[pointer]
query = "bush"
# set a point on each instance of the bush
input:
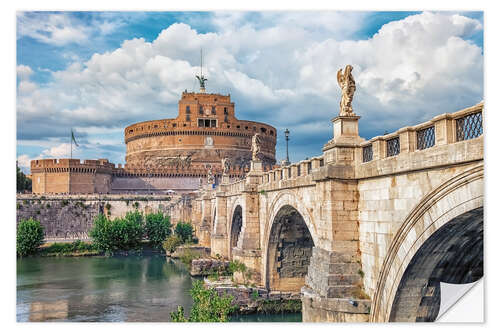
(208, 306)
(157, 228)
(64, 248)
(184, 231)
(118, 234)
(29, 236)
(237, 266)
(171, 243)
(188, 256)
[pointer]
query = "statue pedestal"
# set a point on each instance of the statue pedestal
(255, 166)
(225, 179)
(341, 149)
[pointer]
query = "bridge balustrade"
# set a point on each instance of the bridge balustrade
(469, 126)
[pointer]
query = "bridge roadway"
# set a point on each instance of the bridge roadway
(367, 230)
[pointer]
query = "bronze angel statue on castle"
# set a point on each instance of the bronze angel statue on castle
(348, 86)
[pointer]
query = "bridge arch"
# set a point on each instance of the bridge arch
(289, 237)
(429, 248)
(235, 225)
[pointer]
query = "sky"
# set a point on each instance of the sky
(98, 72)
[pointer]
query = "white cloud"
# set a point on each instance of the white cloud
(282, 71)
(57, 29)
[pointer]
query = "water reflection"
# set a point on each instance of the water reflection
(100, 289)
(138, 289)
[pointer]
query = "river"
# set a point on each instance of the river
(101, 289)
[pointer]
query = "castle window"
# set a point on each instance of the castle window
(213, 123)
(225, 118)
(246, 127)
(200, 110)
(156, 126)
(188, 118)
(174, 125)
(188, 109)
(272, 133)
(263, 130)
(184, 125)
(215, 99)
(237, 126)
(213, 110)
(200, 122)
(131, 131)
(228, 126)
(225, 110)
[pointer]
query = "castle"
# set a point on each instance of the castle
(169, 154)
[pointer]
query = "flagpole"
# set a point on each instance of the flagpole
(71, 142)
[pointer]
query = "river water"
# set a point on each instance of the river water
(114, 289)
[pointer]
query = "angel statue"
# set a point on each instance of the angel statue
(210, 176)
(225, 165)
(348, 86)
(256, 147)
(202, 80)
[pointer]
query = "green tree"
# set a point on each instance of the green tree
(185, 231)
(29, 236)
(208, 306)
(119, 233)
(157, 228)
(22, 182)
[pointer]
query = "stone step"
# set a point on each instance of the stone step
(343, 279)
(345, 291)
(344, 268)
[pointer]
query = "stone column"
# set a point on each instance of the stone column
(248, 248)
(206, 219)
(220, 236)
(333, 288)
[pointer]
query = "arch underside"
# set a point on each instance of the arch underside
(452, 254)
(289, 251)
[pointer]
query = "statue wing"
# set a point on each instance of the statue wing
(340, 78)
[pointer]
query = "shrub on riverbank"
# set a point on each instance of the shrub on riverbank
(171, 243)
(208, 306)
(29, 236)
(185, 231)
(157, 228)
(75, 248)
(118, 234)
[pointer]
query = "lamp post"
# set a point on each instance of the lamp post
(287, 137)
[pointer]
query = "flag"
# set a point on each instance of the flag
(73, 138)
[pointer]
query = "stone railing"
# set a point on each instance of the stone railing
(441, 130)
(300, 172)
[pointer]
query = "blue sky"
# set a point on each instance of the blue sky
(101, 71)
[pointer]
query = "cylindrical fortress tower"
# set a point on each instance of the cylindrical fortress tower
(205, 131)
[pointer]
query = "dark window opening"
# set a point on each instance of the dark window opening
(207, 122)
(272, 132)
(200, 122)
(188, 109)
(225, 110)
(188, 118)
(393, 147)
(174, 125)
(213, 110)
(263, 130)
(213, 123)
(246, 127)
(238, 126)
(200, 110)
(225, 119)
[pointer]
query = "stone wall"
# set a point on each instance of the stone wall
(71, 217)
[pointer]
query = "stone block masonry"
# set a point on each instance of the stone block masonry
(71, 217)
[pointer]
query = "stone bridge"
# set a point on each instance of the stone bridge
(366, 231)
